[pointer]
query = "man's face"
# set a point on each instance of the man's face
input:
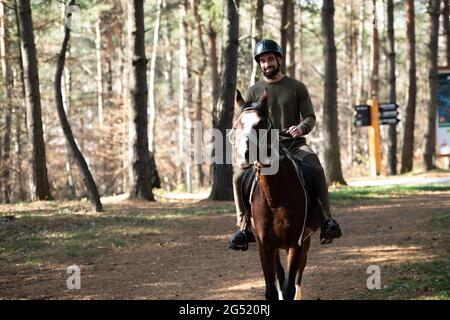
(270, 64)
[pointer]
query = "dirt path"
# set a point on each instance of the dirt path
(191, 261)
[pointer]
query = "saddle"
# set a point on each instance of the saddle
(306, 177)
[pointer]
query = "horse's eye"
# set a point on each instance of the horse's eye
(259, 124)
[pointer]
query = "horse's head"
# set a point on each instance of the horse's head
(252, 117)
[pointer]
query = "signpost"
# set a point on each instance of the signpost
(374, 115)
(362, 115)
(388, 113)
(389, 121)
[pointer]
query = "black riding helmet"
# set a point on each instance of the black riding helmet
(265, 46)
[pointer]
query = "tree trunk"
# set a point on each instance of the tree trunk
(350, 45)
(139, 155)
(375, 61)
(284, 30)
(257, 26)
(185, 102)
(67, 93)
(152, 107)
(123, 107)
(446, 27)
(168, 68)
(301, 58)
(84, 170)
(290, 43)
(360, 91)
(39, 186)
(99, 59)
(430, 137)
(222, 188)
(18, 125)
(122, 62)
(213, 64)
(124, 75)
(21, 119)
(392, 143)
(408, 132)
(6, 160)
(182, 105)
(198, 172)
(330, 106)
(287, 30)
(189, 100)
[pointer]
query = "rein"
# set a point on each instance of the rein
(283, 150)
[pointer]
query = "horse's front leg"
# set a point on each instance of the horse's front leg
(293, 263)
(267, 256)
(279, 270)
(303, 259)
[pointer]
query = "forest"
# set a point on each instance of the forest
(118, 125)
(101, 98)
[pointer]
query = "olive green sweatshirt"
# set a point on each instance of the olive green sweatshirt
(289, 105)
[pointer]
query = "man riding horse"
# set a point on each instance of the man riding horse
(290, 109)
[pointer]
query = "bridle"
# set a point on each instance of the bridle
(261, 142)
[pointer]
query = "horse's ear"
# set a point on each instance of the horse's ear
(239, 100)
(263, 102)
(263, 97)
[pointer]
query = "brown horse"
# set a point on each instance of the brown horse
(281, 216)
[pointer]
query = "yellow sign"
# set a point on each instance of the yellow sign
(374, 139)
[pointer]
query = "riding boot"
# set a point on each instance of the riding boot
(240, 239)
(330, 229)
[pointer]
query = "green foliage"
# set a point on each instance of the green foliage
(311, 6)
(55, 234)
(104, 148)
(212, 11)
(429, 280)
(347, 194)
(424, 280)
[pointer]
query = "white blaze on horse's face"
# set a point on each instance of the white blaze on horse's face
(247, 139)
